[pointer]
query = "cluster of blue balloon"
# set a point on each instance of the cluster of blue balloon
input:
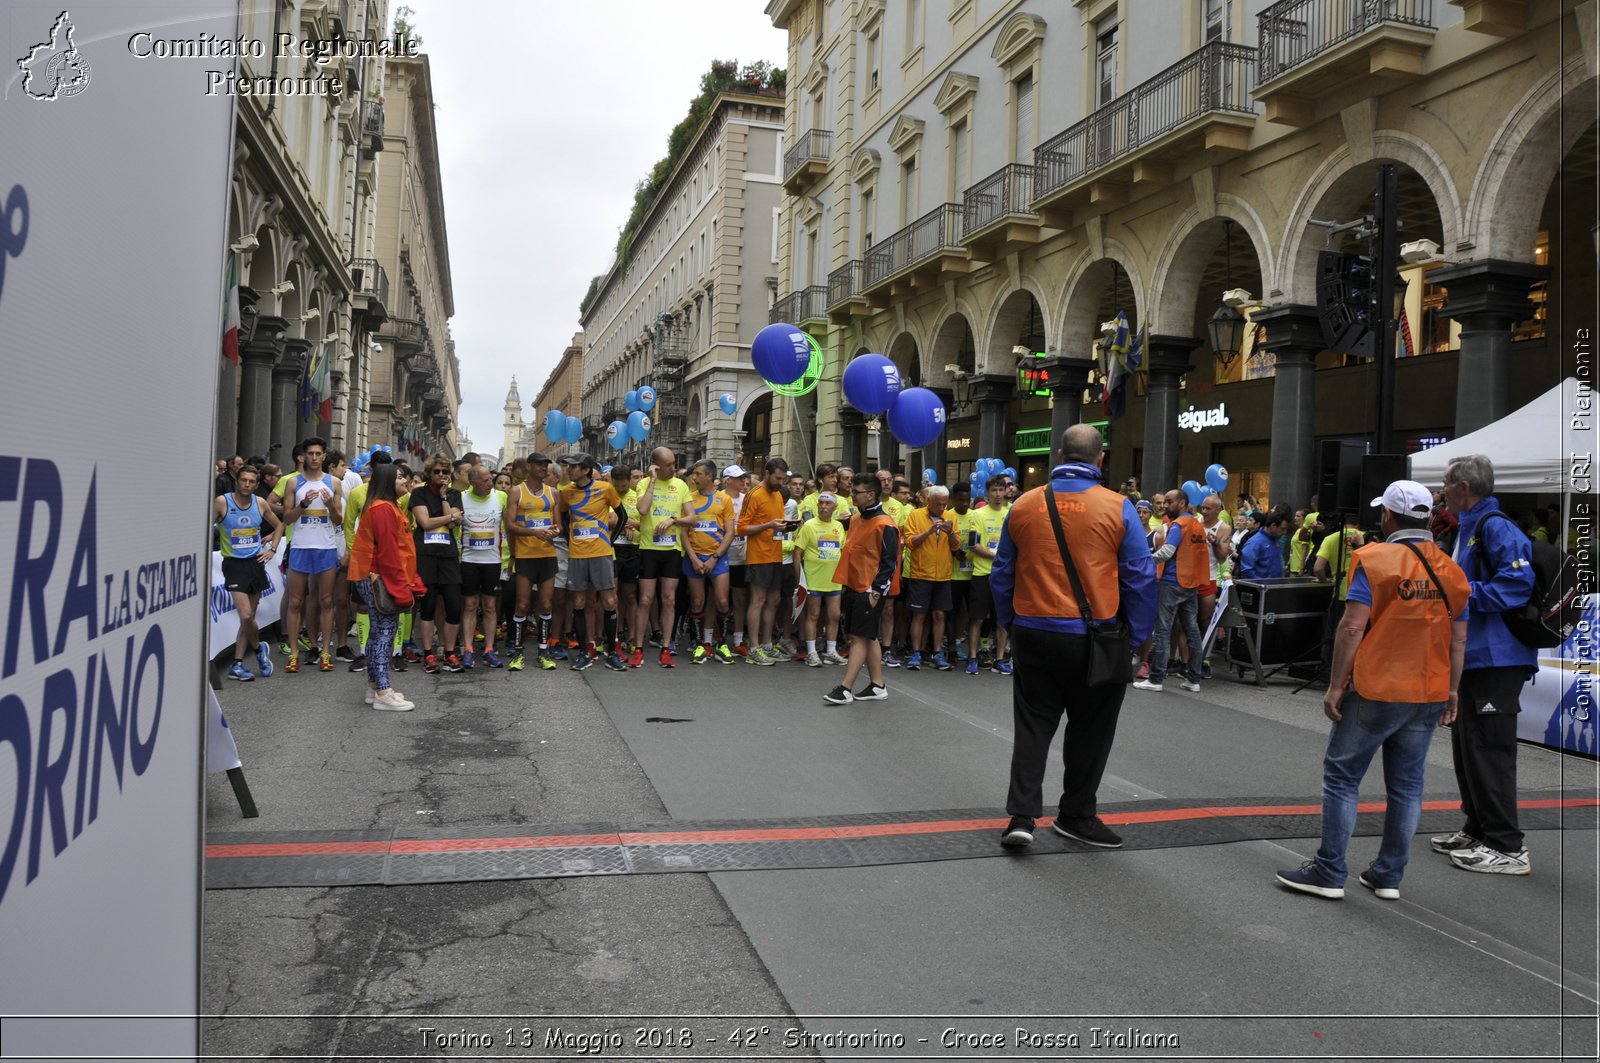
(1216, 480)
(562, 427)
(872, 384)
(638, 402)
(983, 469)
(361, 461)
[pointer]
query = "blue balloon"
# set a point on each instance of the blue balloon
(1009, 471)
(617, 434)
(555, 426)
(630, 401)
(1216, 478)
(1197, 493)
(871, 382)
(728, 403)
(917, 417)
(929, 476)
(638, 426)
(574, 428)
(781, 353)
(388, 449)
(647, 398)
(980, 482)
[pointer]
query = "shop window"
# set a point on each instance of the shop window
(1538, 294)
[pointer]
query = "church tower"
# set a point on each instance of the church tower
(513, 425)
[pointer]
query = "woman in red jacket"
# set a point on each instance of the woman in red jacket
(383, 551)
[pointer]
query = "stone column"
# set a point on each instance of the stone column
(1294, 336)
(853, 426)
(1487, 299)
(257, 357)
(227, 426)
(1166, 359)
(1069, 379)
(993, 393)
(286, 376)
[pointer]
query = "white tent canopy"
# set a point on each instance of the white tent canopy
(1527, 446)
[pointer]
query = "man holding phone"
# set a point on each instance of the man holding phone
(932, 537)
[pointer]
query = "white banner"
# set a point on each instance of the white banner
(113, 205)
(221, 753)
(1558, 708)
(225, 615)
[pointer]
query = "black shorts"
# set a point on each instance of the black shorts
(925, 594)
(480, 578)
(537, 570)
(660, 564)
(435, 571)
(768, 576)
(736, 577)
(858, 618)
(980, 600)
(245, 575)
(628, 562)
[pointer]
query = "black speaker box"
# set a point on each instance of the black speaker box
(1378, 471)
(1339, 476)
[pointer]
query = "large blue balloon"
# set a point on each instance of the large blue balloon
(871, 383)
(574, 429)
(929, 476)
(638, 426)
(617, 434)
(980, 482)
(1197, 493)
(630, 401)
(781, 353)
(1009, 471)
(917, 417)
(728, 403)
(555, 426)
(647, 398)
(1216, 478)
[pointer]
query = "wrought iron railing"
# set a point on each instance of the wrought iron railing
(1217, 77)
(785, 309)
(1007, 191)
(936, 231)
(845, 283)
(812, 144)
(1296, 31)
(370, 278)
(807, 304)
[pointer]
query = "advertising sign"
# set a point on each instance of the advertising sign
(113, 202)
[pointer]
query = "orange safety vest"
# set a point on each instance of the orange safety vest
(858, 561)
(1192, 558)
(1092, 522)
(1405, 654)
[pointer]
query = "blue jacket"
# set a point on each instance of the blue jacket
(1498, 565)
(1136, 573)
(1261, 558)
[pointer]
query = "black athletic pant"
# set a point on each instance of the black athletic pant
(1049, 681)
(1484, 748)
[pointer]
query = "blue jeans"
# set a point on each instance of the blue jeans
(1403, 731)
(1182, 603)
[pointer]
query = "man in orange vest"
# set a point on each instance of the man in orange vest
(1050, 633)
(1392, 682)
(869, 574)
(1183, 565)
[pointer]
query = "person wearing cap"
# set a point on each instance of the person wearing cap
(587, 508)
(817, 548)
(533, 530)
(736, 485)
(1397, 664)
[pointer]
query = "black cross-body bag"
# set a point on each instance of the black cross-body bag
(1110, 644)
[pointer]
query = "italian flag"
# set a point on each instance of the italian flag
(230, 311)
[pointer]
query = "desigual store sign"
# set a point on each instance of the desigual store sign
(1193, 420)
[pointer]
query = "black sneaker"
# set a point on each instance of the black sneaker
(581, 661)
(872, 692)
(344, 654)
(1018, 833)
(1308, 878)
(359, 664)
(839, 695)
(1088, 830)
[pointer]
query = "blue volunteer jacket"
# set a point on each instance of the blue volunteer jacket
(1497, 559)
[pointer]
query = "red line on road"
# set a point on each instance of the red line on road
(735, 835)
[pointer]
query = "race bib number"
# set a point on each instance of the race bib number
(314, 517)
(244, 538)
(828, 549)
(587, 531)
(437, 537)
(966, 564)
(536, 523)
(991, 544)
(665, 539)
(480, 538)
(707, 527)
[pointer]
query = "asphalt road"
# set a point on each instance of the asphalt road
(1192, 948)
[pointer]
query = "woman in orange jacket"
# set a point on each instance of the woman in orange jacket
(383, 550)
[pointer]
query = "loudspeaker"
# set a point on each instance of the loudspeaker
(1339, 476)
(1378, 471)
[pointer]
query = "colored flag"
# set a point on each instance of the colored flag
(1123, 356)
(230, 311)
(318, 395)
(1407, 347)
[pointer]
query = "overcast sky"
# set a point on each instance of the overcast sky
(548, 115)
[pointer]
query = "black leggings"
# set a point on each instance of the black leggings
(451, 593)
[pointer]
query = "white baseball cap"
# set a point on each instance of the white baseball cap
(734, 470)
(1407, 498)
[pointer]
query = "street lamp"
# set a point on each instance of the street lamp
(1226, 324)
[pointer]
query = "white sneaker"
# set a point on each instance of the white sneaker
(812, 660)
(391, 701)
(1189, 685)
(1492, 861)
(833, 658)
(370, 695)
(1145, 684)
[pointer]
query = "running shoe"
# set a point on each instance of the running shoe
(812, 660)
(701, 655)
(752, 656)
(479, 637)
(358, 665)
(452, 662)
(556, 651)
(833, 658)
(743, 649)
(636, 658)
(1002, 667)
(469, 660)
(941, 662)
(305, 642)
(430, 663)
(326, 663)
(292, 665)
(411, 653)
(546, 662)
(725, 655)
(1449, 843)
(343, 653)
(398, 663)
(1019, 831)
(492, 660)
(516, 661)
(237, 671)
(1144, 670)
(972, 666)
(615, 662)
(839, 695)
(581, 660)
(914, 662)
(872, 692)
(767, 656)
(264, 659)
(666, 659)
(961, 649)
(286, 649)
(890, 660)
(1492, 861)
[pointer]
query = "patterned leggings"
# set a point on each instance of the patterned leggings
(380, 639)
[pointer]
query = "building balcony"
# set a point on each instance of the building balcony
(845, 298)
(806, 162)
(409, 334)
(614, 410)
(372, 130)
(805, 307)
(999, 211)
(1199, 104)
(1311, 46)
(369, 291)
(919, 256)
